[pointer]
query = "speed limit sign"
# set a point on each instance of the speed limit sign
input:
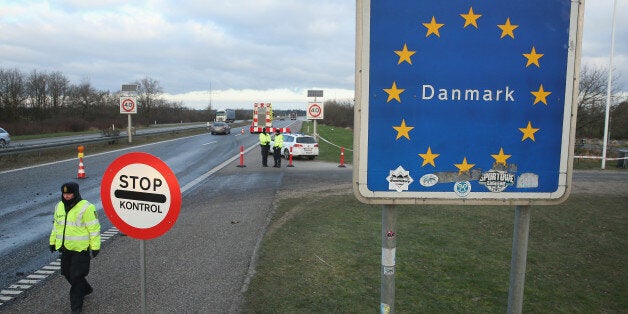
(315, 110)
(128, 105)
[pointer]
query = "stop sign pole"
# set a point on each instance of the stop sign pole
(142, 198)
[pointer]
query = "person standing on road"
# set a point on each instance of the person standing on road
(264, 142)
(277, 145)
(75, 231)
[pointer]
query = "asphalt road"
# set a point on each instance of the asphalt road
(29, 195)
(204, 263)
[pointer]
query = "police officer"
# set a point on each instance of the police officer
(75, 231)
(264, 142)
(277, 145)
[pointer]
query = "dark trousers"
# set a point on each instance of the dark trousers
(277, 156)
(265, 150)
(75, 267)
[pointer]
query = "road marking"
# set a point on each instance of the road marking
(212, 142)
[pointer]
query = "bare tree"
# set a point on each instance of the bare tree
(149, 92)
(36, 90)
(57, 89)
(592, 98)
(83, 96)
(12, 93)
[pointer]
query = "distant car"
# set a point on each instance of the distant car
(220, 128)
(302, 145)
(5, 138)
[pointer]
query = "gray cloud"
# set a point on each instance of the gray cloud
(261, 45)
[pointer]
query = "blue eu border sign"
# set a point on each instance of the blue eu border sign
(466, 102)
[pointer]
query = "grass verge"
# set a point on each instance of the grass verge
(337, 137)
(449, 258)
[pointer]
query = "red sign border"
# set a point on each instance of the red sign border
(315, 104)
(173, 185)
(122, 105)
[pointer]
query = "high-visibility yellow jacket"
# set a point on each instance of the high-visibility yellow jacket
(278, 141)
(76, 230)
(264, 139)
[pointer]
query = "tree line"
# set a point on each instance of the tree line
(46, 102)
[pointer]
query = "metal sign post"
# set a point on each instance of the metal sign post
(519, 256)
(389, 251)
(315, 112)
(128, 106)
(466, 105)
(141, 181)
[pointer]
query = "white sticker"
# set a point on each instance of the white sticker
(428, 180)
(388, 257)
(463, 188)
(497, 180)
(399, 179)
(528, 180)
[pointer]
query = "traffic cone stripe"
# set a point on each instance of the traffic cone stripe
(81, 169)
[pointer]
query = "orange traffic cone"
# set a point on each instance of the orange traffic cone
(81, 170)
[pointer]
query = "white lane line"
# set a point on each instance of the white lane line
(212, 142)
(10, 292)
(26, 281)
(212, 171)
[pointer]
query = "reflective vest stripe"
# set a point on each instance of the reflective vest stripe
(79, 218)
(73, 238)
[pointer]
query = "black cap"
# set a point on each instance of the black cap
(70, 187)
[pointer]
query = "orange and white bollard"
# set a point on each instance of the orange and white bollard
(342, 157)
(242, 132)
(241, 165)
(81, 167)
(290, 163)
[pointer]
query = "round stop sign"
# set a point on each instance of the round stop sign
(140, 195)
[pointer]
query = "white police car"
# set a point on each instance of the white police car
(302, 145)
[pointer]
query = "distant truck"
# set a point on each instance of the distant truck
(293, 116)
(225, 115)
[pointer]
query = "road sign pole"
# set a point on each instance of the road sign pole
(389, 247)
(143, 274)
(128, 131)
(518, 260)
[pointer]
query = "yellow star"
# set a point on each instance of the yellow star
(428, 158)
(432, 27)
(501, 157)
(405, 54)
(528, 132)
(533, 57)
(464, 166)
(507, 29)
(540, 95)
(470, 18)
(394, 92)
(403, 130)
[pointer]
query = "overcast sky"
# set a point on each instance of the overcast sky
(243, 51)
